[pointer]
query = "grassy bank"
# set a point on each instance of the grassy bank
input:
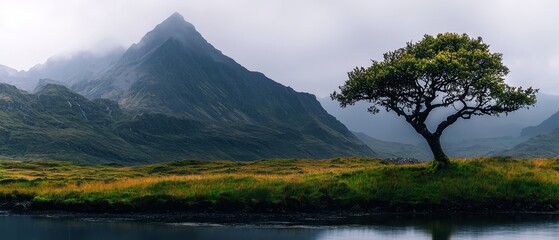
(352, 184)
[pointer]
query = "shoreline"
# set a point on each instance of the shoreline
(246, 215)
(268, 219)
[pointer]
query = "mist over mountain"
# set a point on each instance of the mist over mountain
(76, 67)
(539, 141)
(14, 77)
(511, 135)
(170, 96)
(173, 70)
(389, 127)
(386, 149)
(174, 40)
(547, 126)
(65, 69)
(173, 78)
(539, 146)
(6, 71)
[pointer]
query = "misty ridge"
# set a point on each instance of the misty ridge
(480, 136)
(131, 77)
(65, 69)
(170, 96)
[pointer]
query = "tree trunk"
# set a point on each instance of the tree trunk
(440, 160)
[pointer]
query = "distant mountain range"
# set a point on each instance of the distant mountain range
(173, 95)
(386, 149)
(541, 140)
(170, 96)
(389, 127)
(545, 127)
(508, 135)
(66, 70)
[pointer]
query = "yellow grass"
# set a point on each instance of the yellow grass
(286, 184)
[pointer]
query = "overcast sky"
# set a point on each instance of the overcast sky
(309, 45)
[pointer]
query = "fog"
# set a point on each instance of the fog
(308, 45)
(389, 127)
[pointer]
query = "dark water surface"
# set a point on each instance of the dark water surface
(525, 226)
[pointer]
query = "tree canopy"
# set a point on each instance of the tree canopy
(445, 71)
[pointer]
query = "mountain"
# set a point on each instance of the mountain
(546, 127)
(56, 123)
(6, 71)
(65, 69)
(540, 146)
(476, 137)
(482, 147)
(389, 127)
(394, 149)
(174, 71)
(12, 76)
(76, 67)
(170, 96)
(541, 140)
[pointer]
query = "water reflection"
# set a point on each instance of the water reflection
(388, 227)
(496, 226)
(25, 227)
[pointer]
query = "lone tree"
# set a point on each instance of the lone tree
(447, 71)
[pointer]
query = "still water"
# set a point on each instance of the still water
(543, 226)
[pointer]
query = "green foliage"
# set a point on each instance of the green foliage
(453, 67)
(449, 70)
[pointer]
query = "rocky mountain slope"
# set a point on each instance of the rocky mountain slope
(178, 97)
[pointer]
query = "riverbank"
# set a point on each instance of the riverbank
(285, 186)
(138, 226)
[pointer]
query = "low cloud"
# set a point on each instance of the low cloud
(308, 45)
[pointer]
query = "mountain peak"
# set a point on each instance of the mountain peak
(176, 20)
(174, 27)
(176, 17)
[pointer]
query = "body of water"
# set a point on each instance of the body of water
(535, 226)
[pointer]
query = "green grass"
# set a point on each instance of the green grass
(354, 184)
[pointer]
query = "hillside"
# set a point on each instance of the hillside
(394, 149)
(64, 69)
(483, 136)
(389, 127)
(548, 126)
(77, 67)
(56, 123)
(6, 71)
(175, 72)
(541, 140)
(540, 146)
(170, 96)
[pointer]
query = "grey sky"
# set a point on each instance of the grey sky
(308, 45)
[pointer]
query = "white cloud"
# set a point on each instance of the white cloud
(309, 45)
